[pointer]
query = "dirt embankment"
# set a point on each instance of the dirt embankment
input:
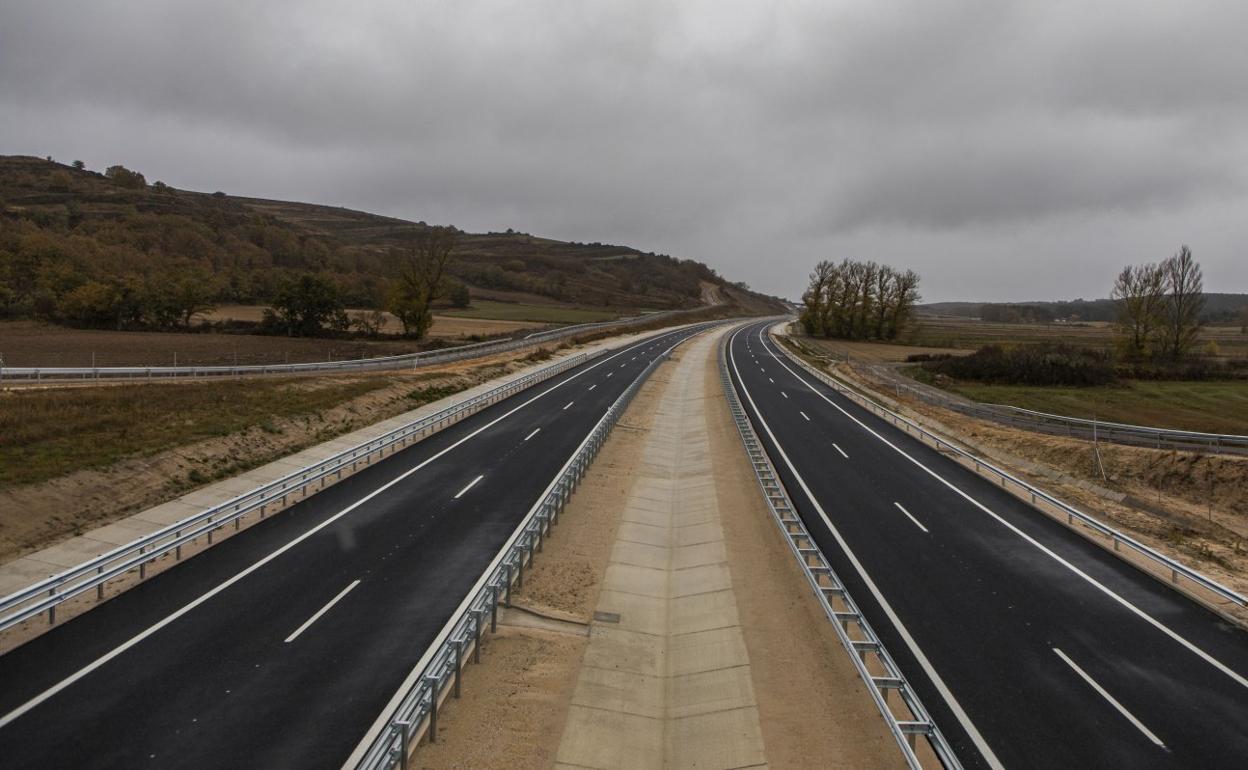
(37, 515)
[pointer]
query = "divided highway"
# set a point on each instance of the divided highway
(1030, 646)
(280, 646)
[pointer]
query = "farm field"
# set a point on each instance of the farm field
(970, 333)
(444, 326)
(1207, 406)
(515, 312)
(26, 343)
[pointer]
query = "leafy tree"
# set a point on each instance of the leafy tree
(458, 294)
(125, 177)
(418, 282)
(92, 305)
(79, 165)
(370, 323)
(305, 307)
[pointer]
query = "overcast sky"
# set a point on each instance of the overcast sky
(1004, 150)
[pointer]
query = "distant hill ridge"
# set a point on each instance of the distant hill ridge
(1219, 306)
(60, 224)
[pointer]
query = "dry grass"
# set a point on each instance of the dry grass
(48, 433)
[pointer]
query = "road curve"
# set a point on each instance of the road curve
(1031, 646)
(279, 646)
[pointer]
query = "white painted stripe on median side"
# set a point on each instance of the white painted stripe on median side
(989, 756)
(531, 435)
(1112, 701)
(565, 408)
(803, 414)
(591, 387)
(786, 395)
(842, 451)
(1242, 681)
(471, 484)
(158, 625)
(916, 521)
(320, 612)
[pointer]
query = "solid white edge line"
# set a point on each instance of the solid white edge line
(471, 484)
(837, 447)
(1112, 701)
(901, 508)
(1043, 548)
(320, 612)
(924, 663)
(158, 625)
(380, 722)
(531, 435)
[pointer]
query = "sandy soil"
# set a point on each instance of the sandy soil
(513, 706)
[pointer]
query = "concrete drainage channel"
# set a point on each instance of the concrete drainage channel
(412, 713)
(905, 715)
(100, 574)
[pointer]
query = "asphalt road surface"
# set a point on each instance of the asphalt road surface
(280, 646)
(1030, 646)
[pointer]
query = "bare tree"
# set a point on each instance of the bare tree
(813, 316)
(859, 300)
(1185, 299)
(418, 282)
(1140, 291)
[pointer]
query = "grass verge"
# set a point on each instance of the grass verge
(45, 434)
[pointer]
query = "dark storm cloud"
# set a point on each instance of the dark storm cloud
(982, 143)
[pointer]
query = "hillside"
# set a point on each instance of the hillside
(61, 227)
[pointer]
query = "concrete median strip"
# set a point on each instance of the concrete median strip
(666, 677)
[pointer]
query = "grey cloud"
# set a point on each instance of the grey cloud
(757, 137)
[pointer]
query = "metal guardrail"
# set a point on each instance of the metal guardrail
(1175, 569)
(1054, 424)
(404, 361)
(46, 595)
(417, 709)
(855, 633)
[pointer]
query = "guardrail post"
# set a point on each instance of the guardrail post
(404, 729)
(52, 609)
(433, 708)
(493, 609)
(476, 633)
(99, 589)
(459, 653)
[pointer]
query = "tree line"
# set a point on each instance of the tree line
(859, 300)
(1159, 309)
